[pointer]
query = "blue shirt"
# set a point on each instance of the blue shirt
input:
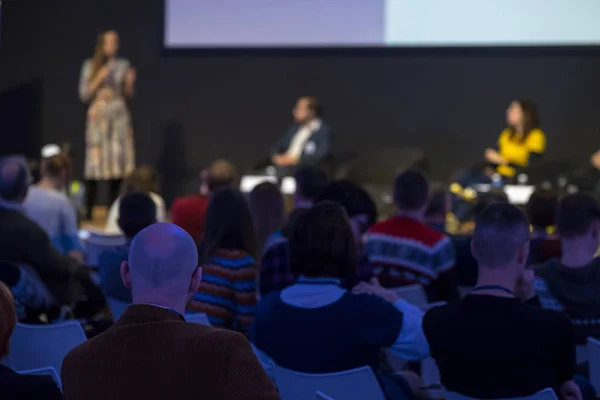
(316, 326)
(54, 212)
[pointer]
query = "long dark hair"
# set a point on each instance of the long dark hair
(99, 58)
(531, 118)
(228, 224)
(267, 210)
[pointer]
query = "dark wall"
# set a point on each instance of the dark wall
(191, 109)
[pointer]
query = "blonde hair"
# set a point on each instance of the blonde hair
(8, 318)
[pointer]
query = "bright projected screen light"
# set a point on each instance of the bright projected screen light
(380, 23)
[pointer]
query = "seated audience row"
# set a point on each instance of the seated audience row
(24, 242)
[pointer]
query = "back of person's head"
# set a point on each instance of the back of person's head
(57, 166)
(137, 211)
(14, 180)
(541, 209)
(221, 173)
(578, 216)
(310, 183)
(322, 243)
(162, 267)
(267, 210)
(359, 206)
(484, 200)
(143, 179)
(501, 237)
(228, 223)
(8, 319)
(411, 190)
(438, 200)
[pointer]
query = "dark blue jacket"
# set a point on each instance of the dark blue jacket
(316, 148)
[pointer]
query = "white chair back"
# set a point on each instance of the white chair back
(359, 383)
(323, 396)
(197, 318)
(97, 242)
(39, 346)
(117, 307)
(546, 394)
(44, 371)
(594, 359)
(413, 294)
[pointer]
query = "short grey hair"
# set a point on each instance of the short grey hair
(501, 230)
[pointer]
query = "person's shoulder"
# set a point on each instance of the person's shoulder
(367, 303)
(384, 227)
(35, 386)
(544, 318)
(325, 128)
(537, 132)
(504, 134)
(188, 201)
(157, 198)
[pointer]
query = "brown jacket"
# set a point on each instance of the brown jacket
(150, 353)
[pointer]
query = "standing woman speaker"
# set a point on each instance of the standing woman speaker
(106, 81)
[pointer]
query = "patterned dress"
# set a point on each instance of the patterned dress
(109, 145)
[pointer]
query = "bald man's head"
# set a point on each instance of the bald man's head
(14, 179)
(163, 261)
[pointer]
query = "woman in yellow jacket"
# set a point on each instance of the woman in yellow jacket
(520, 143)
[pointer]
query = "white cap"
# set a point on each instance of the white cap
(50, 150)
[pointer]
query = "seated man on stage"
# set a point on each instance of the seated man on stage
(306, 142)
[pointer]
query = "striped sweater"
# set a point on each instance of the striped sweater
(227, 293)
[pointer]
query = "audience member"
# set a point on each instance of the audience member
(151, 352)
(438, 207)
(190, 212)
(310, 183)
(22, 241)
(491, 345)
(571, 283)
(31, 297)
(541, 211)
(267, 210)
(136, 212)
(275, 273)
(362, 212)
(227, 293)
(14, 386)
(47, 205)
(143, 179)
(315, 326)
(466, 271)
(404, 250)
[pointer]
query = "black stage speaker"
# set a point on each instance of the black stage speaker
(375, 172)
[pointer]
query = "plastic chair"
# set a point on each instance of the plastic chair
(359, 383)
(98, 242)
(413, 294)
(197, 318)
(323, 396)
(43, 371)
(545, 394)
(117, 307)
(39, 346)
(593, 348)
